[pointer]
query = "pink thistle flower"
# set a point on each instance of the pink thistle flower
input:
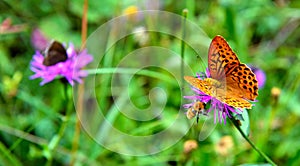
(260, 75)
(71, 68)
(221, 110)
(39, 40)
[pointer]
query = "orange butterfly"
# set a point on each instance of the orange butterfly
(231, 81)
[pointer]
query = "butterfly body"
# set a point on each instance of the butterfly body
(231, 82)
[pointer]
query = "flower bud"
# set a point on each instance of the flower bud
(189, 146)
(224, 146)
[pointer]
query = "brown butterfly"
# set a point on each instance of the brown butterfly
(231, 82)
(55, 53)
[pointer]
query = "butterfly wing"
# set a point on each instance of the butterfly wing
(55, 53)
(221, 59)
(239, 83)
(202, 85)
(242, 83)
(237, 102)
(226, 97)
(225, 67)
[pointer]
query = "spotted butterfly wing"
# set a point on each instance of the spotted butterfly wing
(202, 85)
(226, 97)
(242, 83)
(236, 102)
(54, 54)
(221, 59)
(225, 67)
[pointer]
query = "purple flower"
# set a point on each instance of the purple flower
(221, 110)
(38, 40)
(260, 76)
(71, 69)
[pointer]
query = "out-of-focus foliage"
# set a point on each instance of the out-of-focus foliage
(263, 33)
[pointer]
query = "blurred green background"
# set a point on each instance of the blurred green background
(263, 33)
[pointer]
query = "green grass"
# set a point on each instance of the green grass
(37, 123)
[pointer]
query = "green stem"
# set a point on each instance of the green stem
(84, 27)
(56, 139)
(144, 72)
(184, 14)
(236, 124)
